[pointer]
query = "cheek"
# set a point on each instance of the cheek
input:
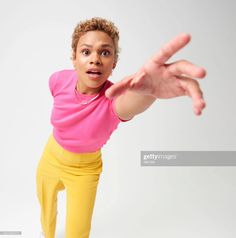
(109, 68)
(108, 73)
(79, 64)
(110, 64)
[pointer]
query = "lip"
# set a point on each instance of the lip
(95, 70)
(94, 76)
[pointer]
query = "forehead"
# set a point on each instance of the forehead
(96, 38)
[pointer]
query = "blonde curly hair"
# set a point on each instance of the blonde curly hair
(93, 24)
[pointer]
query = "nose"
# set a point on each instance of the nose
(95, 59)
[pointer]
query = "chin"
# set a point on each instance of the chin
(97, 82)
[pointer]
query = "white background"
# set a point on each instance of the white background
(132, 201)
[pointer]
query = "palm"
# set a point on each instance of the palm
(165, 86)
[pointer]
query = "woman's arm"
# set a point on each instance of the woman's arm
(131, 104)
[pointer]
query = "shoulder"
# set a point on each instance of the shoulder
(63, 73)
(57, 78)
(108, 84)
(60, 75)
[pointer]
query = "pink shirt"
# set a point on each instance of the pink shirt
(79, 127)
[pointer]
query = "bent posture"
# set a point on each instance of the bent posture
(87, 108)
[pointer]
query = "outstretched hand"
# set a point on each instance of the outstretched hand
(162, 80)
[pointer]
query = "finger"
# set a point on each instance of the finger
(139, 76)
(184, 67)
(170, 48)
(193, 90)
(119, 87)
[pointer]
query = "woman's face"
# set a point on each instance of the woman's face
(95, 59)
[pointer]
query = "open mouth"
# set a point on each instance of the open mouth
(93, 72)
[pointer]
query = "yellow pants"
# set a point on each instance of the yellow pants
(78, 174)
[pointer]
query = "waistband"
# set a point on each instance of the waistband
(70, 158)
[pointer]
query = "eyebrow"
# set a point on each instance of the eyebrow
(103, 45)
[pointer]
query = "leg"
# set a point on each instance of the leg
(81, 194)
(48, 185)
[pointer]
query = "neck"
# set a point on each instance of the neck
(89, 91)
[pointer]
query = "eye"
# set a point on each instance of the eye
(85, 52)
(105, 53)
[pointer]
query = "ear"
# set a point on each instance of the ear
(73, 61)
(73, 58)
(114, 65)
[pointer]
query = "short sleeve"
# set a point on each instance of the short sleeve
(114, 111)
(52, 82)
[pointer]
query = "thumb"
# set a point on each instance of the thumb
(119, 88)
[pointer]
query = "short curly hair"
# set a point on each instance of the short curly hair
(93, 24)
